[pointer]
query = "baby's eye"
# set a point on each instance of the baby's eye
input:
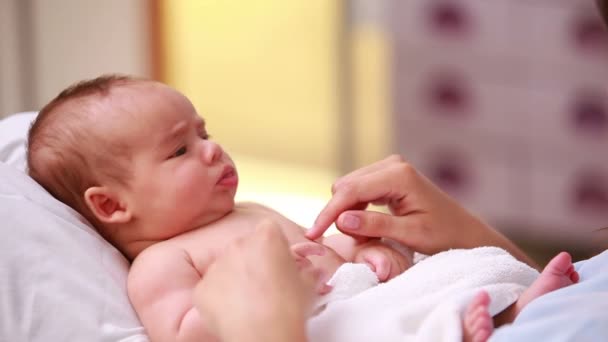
(204, 135)
(180, 152)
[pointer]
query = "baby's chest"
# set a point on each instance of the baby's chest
(205, 244)
(251, 216)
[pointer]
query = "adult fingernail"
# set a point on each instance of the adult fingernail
(350, 222)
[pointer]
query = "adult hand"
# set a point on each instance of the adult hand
(423, 217)
(254, 291)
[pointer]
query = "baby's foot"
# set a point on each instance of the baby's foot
(558, 273)
(477, 325)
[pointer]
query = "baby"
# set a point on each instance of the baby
(135, 159)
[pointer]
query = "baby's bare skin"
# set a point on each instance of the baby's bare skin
(163, 276)
(205, 243)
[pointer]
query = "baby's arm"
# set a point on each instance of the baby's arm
(346, 246)
(160, 286)
(385, 260)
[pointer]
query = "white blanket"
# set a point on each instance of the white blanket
(425, 303)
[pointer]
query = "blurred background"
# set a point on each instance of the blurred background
(502, 103)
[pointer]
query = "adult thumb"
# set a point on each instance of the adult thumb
(372, 224)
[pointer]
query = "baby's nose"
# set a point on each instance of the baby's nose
(211, 152)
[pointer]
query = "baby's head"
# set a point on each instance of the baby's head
(133, 157)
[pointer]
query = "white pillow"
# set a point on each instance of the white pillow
(59, 280)
(13, 136)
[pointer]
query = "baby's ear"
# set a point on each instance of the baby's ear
(106, 205)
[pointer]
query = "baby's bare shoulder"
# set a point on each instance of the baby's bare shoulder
(293, 231)
(157, 262)
(157, 252)
(253, 206)
(160, 286)
(147, 280)
(263, 211)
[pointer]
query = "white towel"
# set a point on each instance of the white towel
(425, 303)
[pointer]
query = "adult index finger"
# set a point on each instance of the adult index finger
(355, 194)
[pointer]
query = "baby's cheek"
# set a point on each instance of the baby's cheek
(192, 186)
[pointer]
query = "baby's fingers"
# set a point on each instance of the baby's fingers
(315, 279)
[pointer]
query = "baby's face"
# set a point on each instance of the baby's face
(181, 180)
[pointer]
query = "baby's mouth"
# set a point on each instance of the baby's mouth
(228, 177)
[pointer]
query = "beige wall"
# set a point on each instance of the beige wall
(263, 74)
(10, 81)
(68, 40)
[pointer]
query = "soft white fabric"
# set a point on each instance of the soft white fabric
(424, 303)
(13, 137)
(350, 279)
(59, 280)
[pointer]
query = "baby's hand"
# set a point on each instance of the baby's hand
(385, 261)
(325, 264)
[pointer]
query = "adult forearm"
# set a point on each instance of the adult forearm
(516, 251)
(487, 236)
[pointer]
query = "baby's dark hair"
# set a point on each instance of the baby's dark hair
(66, 155)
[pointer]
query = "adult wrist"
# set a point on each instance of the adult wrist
(281, 328)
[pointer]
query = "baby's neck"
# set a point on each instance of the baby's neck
(133, 249)
(129, 240)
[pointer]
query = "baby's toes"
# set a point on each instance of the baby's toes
(574, 277)
(561, 264)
